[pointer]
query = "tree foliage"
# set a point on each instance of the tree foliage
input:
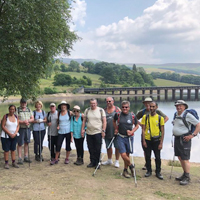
(31, 34)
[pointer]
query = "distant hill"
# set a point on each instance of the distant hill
(79, 60)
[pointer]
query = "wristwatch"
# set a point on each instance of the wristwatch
(103, 131)
(194, 135)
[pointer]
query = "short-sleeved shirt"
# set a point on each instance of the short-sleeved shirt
(154, 125)
(110, 128)
(64, 124)
(94, 120)
(126, 122)
(144, 111)
(179, 127)
(24, 115)
(53, 118)
(39, 126)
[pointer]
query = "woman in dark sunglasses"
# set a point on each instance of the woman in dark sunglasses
(76, 124)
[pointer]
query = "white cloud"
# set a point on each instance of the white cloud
(168, 31)
(78, 13)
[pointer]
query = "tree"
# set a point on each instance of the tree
(62, 79)
(31, 34)
(73, 66)
(134, 68)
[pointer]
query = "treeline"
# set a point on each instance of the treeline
(177, 77)
(189, 71)
(119, 74)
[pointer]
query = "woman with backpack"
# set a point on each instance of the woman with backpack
(76, 124)
(64, 120)
(10, 128)
(39, 130)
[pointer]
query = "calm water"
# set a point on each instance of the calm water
(167, 107)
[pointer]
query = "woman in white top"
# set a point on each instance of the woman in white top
(10, 128)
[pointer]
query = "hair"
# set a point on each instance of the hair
(38, 102)
(12, 106)
(125, 102)
(112, 99)
(155, 103)
(93, 99)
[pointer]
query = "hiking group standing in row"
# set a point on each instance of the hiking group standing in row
(116, 125)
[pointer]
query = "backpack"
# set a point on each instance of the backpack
(191, 111)
(34, 113)
(68, 112)
(87, 110)
(81, 118)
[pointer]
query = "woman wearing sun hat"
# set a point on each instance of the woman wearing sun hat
(64, 120)
(76, 124)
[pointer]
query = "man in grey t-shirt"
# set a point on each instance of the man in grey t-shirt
(183, 136)
(52, 118)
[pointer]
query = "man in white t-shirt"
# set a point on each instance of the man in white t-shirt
(183, 136)
(95, 118)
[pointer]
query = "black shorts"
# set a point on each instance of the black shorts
(182, 148)
(9, 144)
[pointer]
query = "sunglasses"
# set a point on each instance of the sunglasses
(125, 107)
(108, 101)
(76, 111)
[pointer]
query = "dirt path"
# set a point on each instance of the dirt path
(61, 181)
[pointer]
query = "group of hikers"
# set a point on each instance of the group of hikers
(116, 125)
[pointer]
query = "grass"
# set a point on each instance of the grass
(162, 82)
(174, 163)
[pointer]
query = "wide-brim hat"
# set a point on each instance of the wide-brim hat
(63, 103)
(148, 99)
(181, 102)
(76, 107)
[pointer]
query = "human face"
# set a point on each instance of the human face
(76, 112)
(109, 102)
(180, 108)
(153, 108)
(53, 109)
(23, 105)
(12, 110)
(147, 105)
(93, 105)
(38, 106)
(63, 107)
(125, 108)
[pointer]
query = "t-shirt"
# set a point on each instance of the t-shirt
(94, 120)
(179, 127)
(39, 126)
(53, 117)
(64, 124)
(110, 128)
(144, 111)
(24, 115)
(154, 125)
(125, 122)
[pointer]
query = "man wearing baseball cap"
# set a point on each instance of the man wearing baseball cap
(183, 136)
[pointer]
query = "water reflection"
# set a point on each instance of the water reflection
(167, 107)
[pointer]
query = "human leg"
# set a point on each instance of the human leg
(148, 150)
(91, 148)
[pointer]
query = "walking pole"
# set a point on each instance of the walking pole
(50, 137)
(172, 166)
(40, 141)
(100, 160)
(134, 172)
(28, 148)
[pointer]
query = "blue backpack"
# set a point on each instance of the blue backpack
(194, 113)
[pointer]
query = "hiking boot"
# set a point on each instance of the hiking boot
(144, 168)
(15, 165)
(107, 162)
(26, 159)
(37, 157)
(180, 178)
(90, 165)
(76, 163)
(185, 180)
(20, 161)
(66, 161)
(117, 163)
(79, 161)
(148, 174)
(53, 162)
(159, 176)
(132, 170)
(126, 174)
(6, 166)
(41, 158)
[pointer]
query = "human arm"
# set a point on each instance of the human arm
(196, 131)
(83, 127)
(104, 122)
(160, 146)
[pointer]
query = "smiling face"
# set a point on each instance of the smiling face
(153, 108)
(110, 102)
(180, 108)
(93, 104)
(12, 110)
(125, 108)
(63, 107)
(53, 109)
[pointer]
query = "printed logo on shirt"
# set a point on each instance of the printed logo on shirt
(129, 121)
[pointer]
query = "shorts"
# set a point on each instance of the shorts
(108, 141)
(124, 144)
(24, 136)
(67, 138)
(182, 148)
(9, 144)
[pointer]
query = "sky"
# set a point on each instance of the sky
(137, 31)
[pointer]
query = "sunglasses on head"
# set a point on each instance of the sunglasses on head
(76, 111)
(125, 107)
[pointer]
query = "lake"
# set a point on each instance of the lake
(166, 107)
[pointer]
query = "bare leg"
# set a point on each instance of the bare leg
(13, 155)
(67, 154)
(109, 152)
(6, 155)
(19, 151)
(25, 149)
(125, 157)
(117, 154)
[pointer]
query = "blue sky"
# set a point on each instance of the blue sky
(137, 31)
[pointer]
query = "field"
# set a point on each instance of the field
(42, 181)
(163, 82)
